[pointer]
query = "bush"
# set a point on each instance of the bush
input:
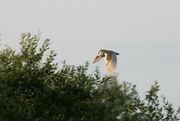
(32, 87)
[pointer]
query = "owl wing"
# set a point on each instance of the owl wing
(111, 62)
(97, 59)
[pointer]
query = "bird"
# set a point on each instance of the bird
(110, 59)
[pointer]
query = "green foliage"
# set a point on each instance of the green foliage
(33, 88)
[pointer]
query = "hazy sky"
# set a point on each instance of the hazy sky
(146, 33)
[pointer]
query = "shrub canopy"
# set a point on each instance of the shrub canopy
(32, 87)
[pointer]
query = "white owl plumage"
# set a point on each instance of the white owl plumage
(110, 59)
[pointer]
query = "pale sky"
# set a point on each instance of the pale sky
(146, 33)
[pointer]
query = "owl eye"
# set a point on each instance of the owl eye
(101, 54)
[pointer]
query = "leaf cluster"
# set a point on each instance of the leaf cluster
(32, 87)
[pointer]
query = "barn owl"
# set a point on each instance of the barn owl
(110, 59)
